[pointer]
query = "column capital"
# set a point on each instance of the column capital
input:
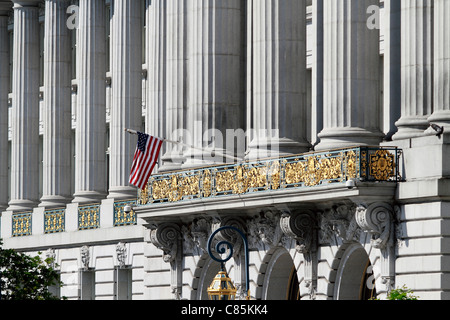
(25, 3)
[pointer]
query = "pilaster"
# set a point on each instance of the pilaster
(351, 76)
(57, 106)
(90, 163)
(126, 94)
(279, 78)
(25, 111)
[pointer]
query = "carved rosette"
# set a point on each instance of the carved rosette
(166, 237)
(377, 219)
(300, 226)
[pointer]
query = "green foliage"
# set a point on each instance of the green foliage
(402, 293)
(26, 278)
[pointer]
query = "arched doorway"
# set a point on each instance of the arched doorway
(208, 271)
(293, 291)
(280, 281)
(355, 275)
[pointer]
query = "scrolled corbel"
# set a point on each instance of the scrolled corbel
(377, 220)
(300, 226)
(166, 237)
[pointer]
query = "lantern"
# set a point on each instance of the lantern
(222, 288)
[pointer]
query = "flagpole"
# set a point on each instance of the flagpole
(188, 146)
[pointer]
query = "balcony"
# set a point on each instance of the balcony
(266, 178)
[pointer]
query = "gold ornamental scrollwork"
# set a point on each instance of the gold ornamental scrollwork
(300, 171)
(239, 183)
(206, 183)
(351, 166)
(382, 165)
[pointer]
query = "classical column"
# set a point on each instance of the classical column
(279, 78)
(214, 80)
(351, 76)
(57, 106)
(156, 66)
(126, 108)
(175, 83)
(416, 68)
(317, 70)
(441, 114)
(90, 162)
(25, 110)
(392, 66)
(4, 90)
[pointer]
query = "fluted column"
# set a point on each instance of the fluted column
(317, 71)
(351, 76)
(90, 157)
(441, 113)
(417, 68)
(25, 110)
(279, 78)
(4, 90)
(156, 65)
(214, 79)
(176, 95)
(126, 110)
(392, 66)
(57, 106)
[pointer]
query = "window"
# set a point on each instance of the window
(123, 283)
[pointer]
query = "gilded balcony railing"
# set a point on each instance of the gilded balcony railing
(54, 221)
(122, 218)
(299, 171)
(21, 224)
(89, 217)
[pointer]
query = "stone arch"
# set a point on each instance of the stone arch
(275, 278)
(351, 277)
(205, 272)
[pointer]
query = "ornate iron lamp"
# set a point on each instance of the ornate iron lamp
(222, 287)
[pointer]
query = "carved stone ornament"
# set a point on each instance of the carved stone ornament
(85, 257)
(300, 226)
(339, 221)
(265, 229)
(121, 252)
(166, 237)
(376, 219)
(230, 235)
(200, 232)
(195, 236)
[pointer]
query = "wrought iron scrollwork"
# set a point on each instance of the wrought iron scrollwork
(223, 246)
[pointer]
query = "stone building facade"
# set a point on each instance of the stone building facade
(317, 127)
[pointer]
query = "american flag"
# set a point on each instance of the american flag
(145, 158)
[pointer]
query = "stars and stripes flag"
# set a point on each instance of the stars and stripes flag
(145, 159)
